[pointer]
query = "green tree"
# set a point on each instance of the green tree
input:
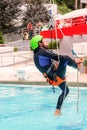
(9, 10)
(71, 4)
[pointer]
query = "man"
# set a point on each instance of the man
(53, 67)
(30, 29)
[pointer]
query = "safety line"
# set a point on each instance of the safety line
(75, 55)
(58, 58)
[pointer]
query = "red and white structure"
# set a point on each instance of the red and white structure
(73, 23)
(71, 29)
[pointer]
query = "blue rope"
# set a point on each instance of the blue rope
(74, 54)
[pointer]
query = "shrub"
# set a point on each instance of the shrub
(53, 45)
(15, 49)
(1, 39)
(85, 62)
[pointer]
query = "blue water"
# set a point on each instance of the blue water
(25, 107)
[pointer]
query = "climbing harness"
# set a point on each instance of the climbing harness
(57, 81)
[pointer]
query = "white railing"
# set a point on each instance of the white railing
(14, 58)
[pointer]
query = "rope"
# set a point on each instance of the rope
(75, 55)
(78, 91)
(58, 59)
(58, 56)
(51, 26)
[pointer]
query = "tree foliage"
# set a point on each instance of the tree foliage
(36, 12)
(71, 4)
(9, 10)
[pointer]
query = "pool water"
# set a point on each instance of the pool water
(25, 107)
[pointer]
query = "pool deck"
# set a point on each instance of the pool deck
(25, 72)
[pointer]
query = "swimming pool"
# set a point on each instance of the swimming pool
(25, 107)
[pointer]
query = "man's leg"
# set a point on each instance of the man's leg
(65, 91)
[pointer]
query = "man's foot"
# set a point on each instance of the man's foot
(57, 112)
(79, 61)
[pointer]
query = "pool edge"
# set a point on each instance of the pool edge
(80, 84)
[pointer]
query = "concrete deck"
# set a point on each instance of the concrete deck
(25, 72)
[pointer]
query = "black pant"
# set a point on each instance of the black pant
(61, 72)
(65, 91)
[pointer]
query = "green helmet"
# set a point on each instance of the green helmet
(34, 41)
